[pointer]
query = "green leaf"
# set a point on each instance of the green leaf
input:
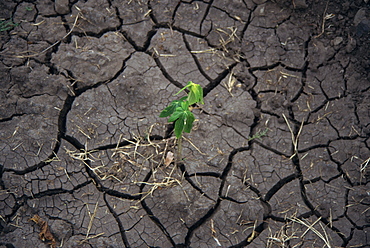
(189, 122)
(185, 105)
(178, 112)
(167, 111)
(200, 100)
(172, 107)
(179, 126)
(195, 94)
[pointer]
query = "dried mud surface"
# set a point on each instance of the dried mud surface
(83, 153)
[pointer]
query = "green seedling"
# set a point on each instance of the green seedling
(179, 112)
(7, 25)
(259, 135)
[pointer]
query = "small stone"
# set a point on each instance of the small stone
(300, 4)
(61, 6)
(360, 16)
(258, 2)
(337, 41)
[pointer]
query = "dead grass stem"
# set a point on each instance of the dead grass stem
(294, 138)
(310, 227)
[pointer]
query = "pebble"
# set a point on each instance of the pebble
(360, 16)
(337, 41)
(300, 4)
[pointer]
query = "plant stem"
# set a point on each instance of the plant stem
(179, 150)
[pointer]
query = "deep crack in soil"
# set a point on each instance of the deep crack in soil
(279, 155)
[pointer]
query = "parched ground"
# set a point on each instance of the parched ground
(279, 155)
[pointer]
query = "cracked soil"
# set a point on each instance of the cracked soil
(85, 159)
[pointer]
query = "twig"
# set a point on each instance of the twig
(324, 18)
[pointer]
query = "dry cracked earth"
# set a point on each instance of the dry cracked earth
(279, 154)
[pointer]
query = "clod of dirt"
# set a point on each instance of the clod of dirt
(61, 6)
(61, 229)
(91, 59)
